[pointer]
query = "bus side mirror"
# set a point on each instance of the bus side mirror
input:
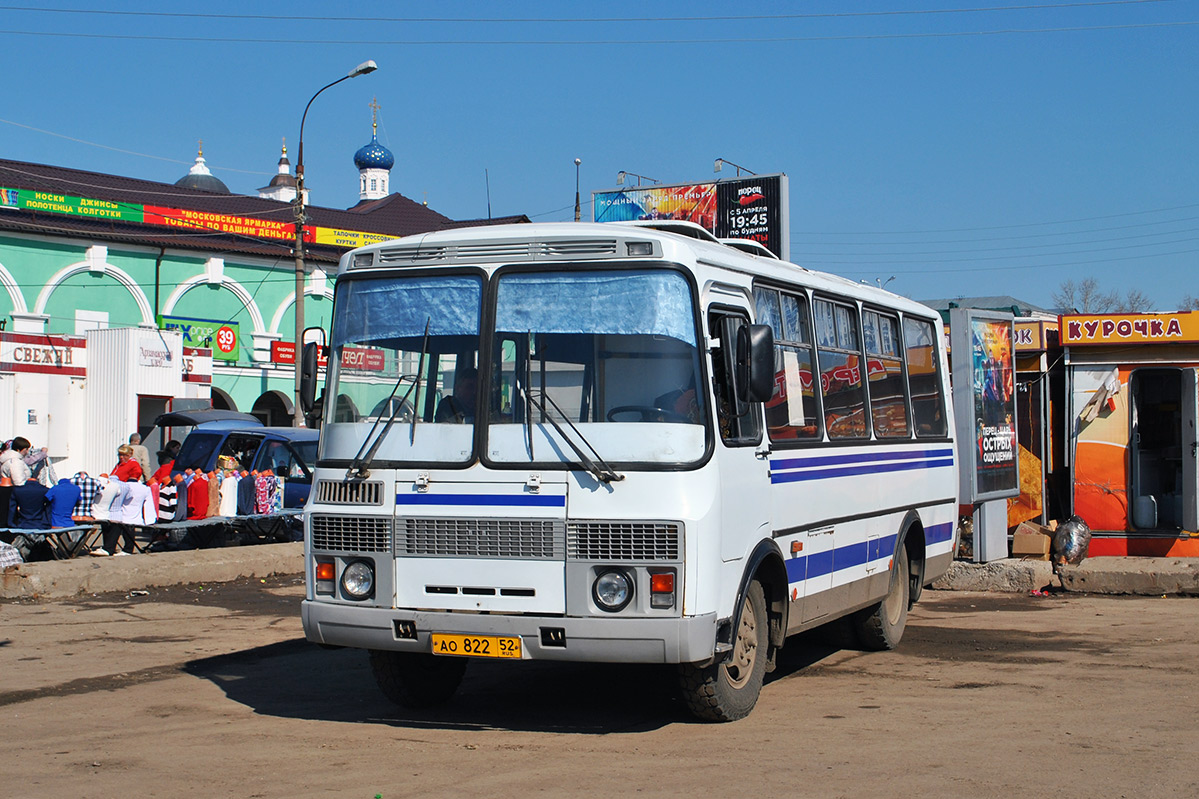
(308, 367)
(755, 363)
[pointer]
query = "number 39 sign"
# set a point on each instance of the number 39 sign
(223, 338)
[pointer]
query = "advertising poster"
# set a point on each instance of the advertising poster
(984, 390)
(691, 203)
(752, 208)
(224, 338)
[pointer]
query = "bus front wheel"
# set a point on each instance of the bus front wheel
(880, 626)
(415, 680)
(728, 690)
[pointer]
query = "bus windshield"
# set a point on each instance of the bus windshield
(606, 356)
(396, 344)
(606, 361)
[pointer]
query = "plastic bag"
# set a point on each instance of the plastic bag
(1071, 540)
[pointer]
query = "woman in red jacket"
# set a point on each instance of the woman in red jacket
(127, 469)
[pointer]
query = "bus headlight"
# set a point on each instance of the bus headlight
(612, 590)
(358, 580)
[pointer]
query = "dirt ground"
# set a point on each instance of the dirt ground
(212, 691)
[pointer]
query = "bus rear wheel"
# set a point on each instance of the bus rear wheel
(880, 626)
(728, 690)
(416, 680)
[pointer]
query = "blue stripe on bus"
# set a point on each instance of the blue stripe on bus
(819, 564)
(852, 471)
(938, 533)
(869, 457)
(522, 500)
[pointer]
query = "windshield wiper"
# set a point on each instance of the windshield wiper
(528, 392)
(360, 466)
(598, 468)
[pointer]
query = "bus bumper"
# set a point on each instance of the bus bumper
(688, 639)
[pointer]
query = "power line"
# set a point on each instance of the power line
(126, 152)
(586, 20)
(1088, 262)
(604, 42)
(997, 227)
(1015, 247)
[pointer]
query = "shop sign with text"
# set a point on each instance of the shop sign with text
(1155, 328)
(223, 338)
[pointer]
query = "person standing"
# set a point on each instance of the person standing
(12, 461)
(127, 469)
(141, 455)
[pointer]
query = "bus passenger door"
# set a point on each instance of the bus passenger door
(742, 451)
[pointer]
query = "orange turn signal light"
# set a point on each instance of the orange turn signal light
(661, 583)
(324, 570)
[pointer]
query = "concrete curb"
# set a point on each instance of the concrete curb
(87, 575)
(1150, 577)
(1002, 576)
(60, 579)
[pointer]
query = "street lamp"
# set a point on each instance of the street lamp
(620, 178)
(578, 215)
(720, 162)
(362, 69)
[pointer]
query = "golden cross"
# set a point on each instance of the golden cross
(374, 106)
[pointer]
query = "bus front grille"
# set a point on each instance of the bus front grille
(351, 533)
(480, 538)
(623, 541)
(339, 492)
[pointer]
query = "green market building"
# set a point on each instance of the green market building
(121, 298)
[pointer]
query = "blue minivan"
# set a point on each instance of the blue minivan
(289, 452)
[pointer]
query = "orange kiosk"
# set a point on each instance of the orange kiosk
(1133, 411)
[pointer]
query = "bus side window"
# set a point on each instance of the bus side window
(840, 359)
(884, 375)
(792, 413)
(928, 403)
(736, 431)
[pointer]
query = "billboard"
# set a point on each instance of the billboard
(743, 208)
(984, 403)
(188, 219)
(224, 338)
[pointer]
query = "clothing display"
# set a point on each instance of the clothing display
(62, 498)
(228, 503)
(264, 493)
(197, 496)
(246, 495)
(168, 502)
(30, 510)
(89, 490)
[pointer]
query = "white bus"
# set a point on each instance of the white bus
(601, 442)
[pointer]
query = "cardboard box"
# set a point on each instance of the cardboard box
(1031, 542)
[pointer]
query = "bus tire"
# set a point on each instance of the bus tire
(880, 626)
(416, 680)
(729, 689)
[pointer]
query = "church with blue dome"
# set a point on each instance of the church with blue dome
(374, 162)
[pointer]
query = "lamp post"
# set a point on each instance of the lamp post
(362, 69)
(621, 176)
(578, 214)
(720, 162)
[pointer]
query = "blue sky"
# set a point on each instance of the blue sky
(965, 148)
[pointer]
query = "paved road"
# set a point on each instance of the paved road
(211, 691)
